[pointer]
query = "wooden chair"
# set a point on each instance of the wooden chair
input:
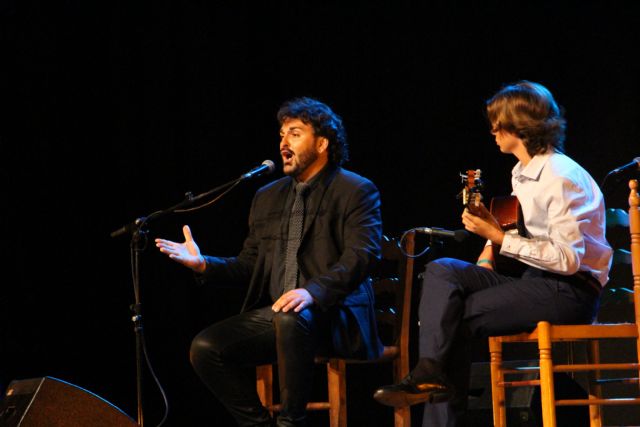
(545, 334)
(392, 286)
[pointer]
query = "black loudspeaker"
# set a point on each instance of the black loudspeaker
(523, 403)
(50, 402)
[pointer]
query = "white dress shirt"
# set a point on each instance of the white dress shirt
(563, 211)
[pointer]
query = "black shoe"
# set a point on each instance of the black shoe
(411, 391)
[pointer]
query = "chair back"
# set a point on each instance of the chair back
(616, 298)
(634, 230)
(392, 285)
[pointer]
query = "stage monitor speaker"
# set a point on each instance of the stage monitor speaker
(50, 402)
(523, 403)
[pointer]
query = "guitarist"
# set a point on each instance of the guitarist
(562, 245)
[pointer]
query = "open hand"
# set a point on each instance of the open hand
(186, 253)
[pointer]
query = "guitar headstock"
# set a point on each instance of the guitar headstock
(471, 193)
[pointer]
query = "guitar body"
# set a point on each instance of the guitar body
(506, 210)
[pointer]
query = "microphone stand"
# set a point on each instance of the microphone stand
(138, 230)
(618, 174)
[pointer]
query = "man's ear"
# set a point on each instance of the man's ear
(322, 144)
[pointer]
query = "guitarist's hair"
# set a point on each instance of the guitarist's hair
(528, 110)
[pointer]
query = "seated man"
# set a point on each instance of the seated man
(562, 245)
(314, 237)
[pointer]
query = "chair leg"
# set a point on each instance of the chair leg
(264, 385)
(402, 415)
(635, 239)
(595, 389)
(497, 391)
(337, 381)
(546, 375)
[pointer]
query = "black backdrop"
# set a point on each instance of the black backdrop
(112, 110)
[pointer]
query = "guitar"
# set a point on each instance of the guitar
(506, 210)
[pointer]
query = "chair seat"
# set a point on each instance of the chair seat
(388, 354)
(573, 332)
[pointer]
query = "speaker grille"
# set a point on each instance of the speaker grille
(50, 402)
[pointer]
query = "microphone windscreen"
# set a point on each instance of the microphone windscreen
(460, 235)
(270, 165)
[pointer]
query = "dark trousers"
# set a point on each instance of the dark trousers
(460, 300)
(225, 356)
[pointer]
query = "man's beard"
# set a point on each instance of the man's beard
(304, 160)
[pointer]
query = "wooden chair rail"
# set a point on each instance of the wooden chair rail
(312, 406)
(617, 380)
(576, 368)
(576, 333)
(607, 402)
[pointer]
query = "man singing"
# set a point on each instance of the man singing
(314, 237)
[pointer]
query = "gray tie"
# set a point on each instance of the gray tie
(296, 221)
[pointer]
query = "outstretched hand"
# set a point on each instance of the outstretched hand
(187, 253)
(482, 223)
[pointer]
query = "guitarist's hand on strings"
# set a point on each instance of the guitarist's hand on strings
(482, 223)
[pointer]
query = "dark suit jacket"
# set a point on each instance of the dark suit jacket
(339, 248)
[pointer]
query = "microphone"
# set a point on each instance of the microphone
(129, 228)
(264, 169)
(635, 164)
(458, 235)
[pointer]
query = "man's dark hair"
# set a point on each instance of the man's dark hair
(325, 123)
(528, 110)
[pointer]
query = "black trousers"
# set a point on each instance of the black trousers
(460, 300)
(225, 355)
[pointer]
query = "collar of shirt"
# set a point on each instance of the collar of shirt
(315, 180)
(533, 169)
